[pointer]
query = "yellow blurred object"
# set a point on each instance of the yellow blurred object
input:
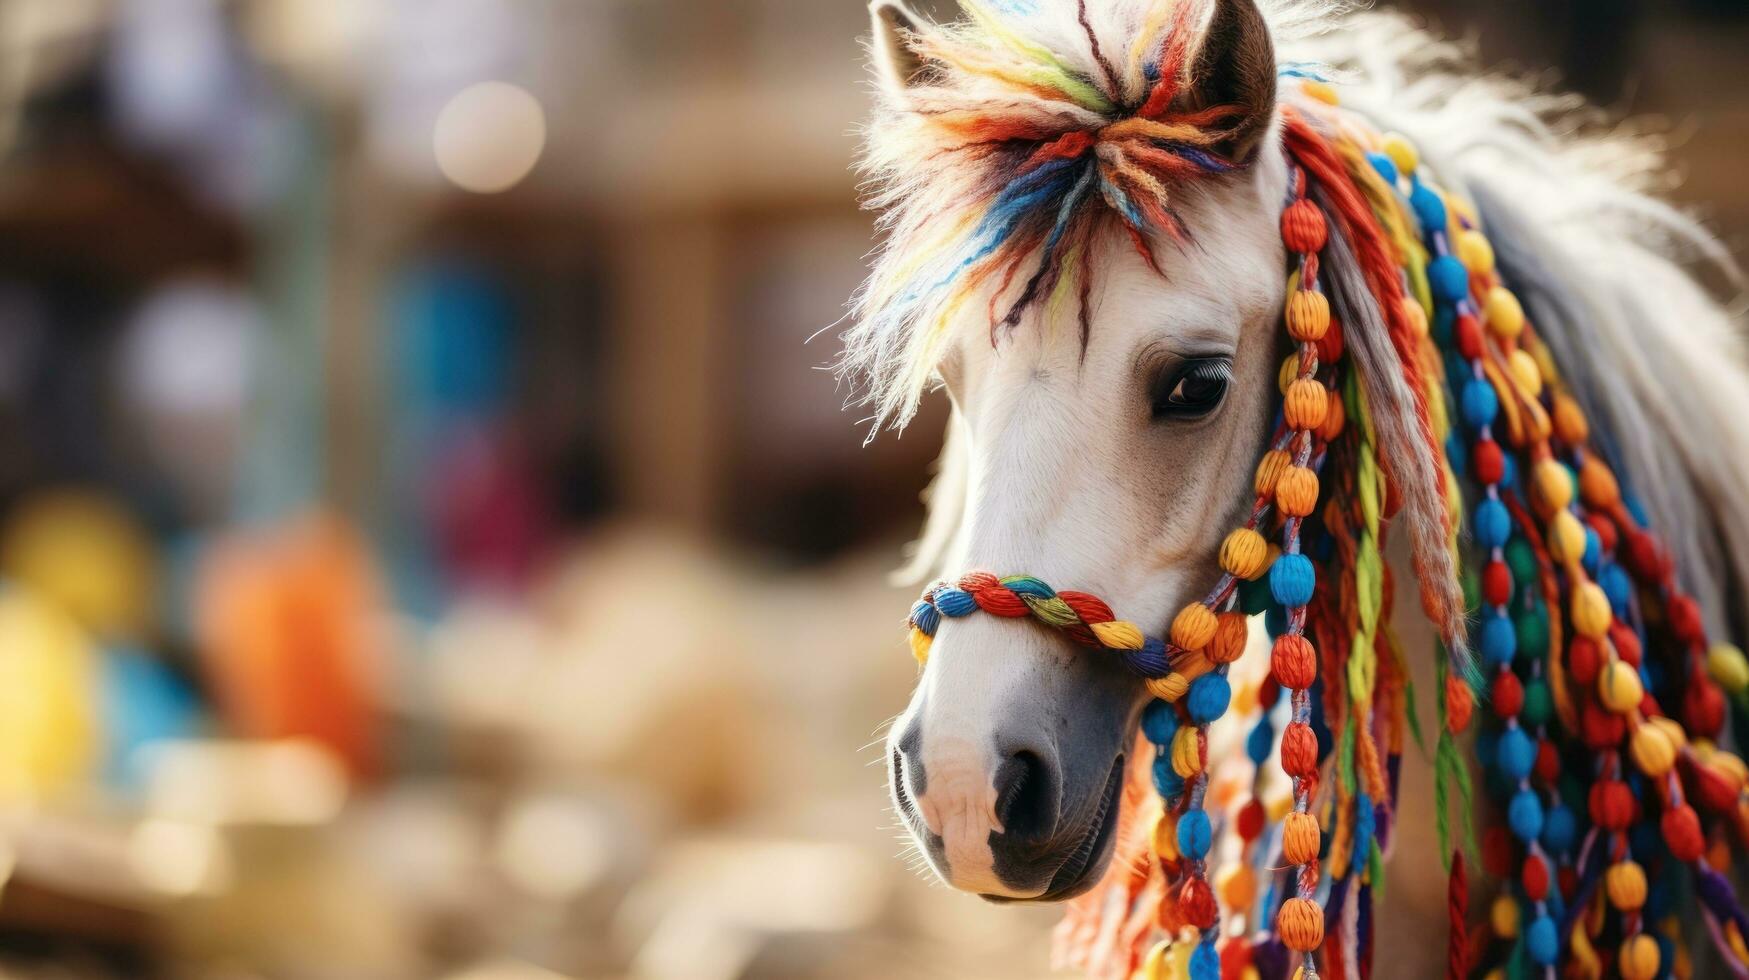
(79, 549)
(48, 684)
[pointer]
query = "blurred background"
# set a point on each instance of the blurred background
(429, 545)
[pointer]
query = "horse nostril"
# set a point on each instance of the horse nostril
(1024, 802)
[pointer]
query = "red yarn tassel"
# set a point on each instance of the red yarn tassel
(1457, 905)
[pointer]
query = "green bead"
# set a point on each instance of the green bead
(1521, 559)
(1539, 704)
(1533, 632)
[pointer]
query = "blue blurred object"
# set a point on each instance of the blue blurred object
(143, 702)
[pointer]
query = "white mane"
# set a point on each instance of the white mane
(1607, 272)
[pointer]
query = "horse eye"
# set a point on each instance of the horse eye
(1193, 390)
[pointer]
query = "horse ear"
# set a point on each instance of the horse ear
(896, 29)
(1236, 66)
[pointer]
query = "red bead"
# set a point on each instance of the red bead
(1469, 337)
(1703, 707)
(1568, 879)
(1497, 584)
(1627, 642)
(1611, 804)
(1583, 661)
(1601, 727)
(1330, 345)
(1685, 621)
(1507, 694)
(1299, 750)
(1497, 851)
(1645, 556)
(1714, 791)
(1251, 820)
(1681, 827)
(1548, 761)
(1535, 878)
(1605, 528)
(1293, 662)
(1235, 957)
(1196, 902)
(1267, 692)
(1489, 462)
(1302, 227)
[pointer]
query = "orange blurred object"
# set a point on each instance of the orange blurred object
(286, 623)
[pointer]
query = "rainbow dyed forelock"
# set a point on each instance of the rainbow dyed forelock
(997, 170)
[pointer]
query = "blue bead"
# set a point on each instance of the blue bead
(1292, 580)
(1167, 782)
(1516, 753)
(1260, 741)
(1592, 559)
(1448, 279)
(1384, 166)
(1499, 640)
(955, 602)
(925, 617)
(1541, 941)
(1458, 452)
(1208, 698)
(1205, 963)
(1429, 209)
(1159, 722)
(1480, 403)
(1637, 509)
(1508, 471)
(1560, 829)
(1193, 834)
(1617, 586)
(1444, 319)
(1493, 524)
(1525, 815)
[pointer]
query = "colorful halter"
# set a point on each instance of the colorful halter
(1583, 635)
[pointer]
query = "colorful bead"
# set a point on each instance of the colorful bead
(1505, 316)
(1305, 404)
(1296, 494)
(1401, 153)
(1232, 632)
(1292, 580)
(1475, 252)
(1193, 627)
(1300, 923)
(1308, 315)
(1269, 470)
(1303, 228)
(1625, 884)
(1618, 687)
(1639, 959)
(1301, 838)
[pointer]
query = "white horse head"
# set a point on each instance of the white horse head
(1107, 443)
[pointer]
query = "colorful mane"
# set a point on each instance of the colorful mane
(1494, 427)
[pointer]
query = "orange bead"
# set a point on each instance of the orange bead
(1296, 493)
(1244, 554)
(1570, 424)
(1300, 838)
(1293, 661)
(1335, 417)
(1305, 404)
(1597, 485)
(1302, 227)
(1232, 631)
(1300, 923)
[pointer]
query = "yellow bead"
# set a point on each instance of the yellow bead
(1591, 615)
(1672, 730)
(1168, 688)
(1566, 537)
(1402, 153)
(1269, 470)
(1193, 627)
(1244, 554)
(1652, 750)
(1308, 315)
(1154, 967)
(1290, 372)
(1474, 251)
(1250, 973)
(1727, 666)
(1505, 316)
(1322, 91)
(1237, 887)
(1618, 687)
(1186, 752)
(1625, 884)
(1554, 491)
(1526, 372)
(1504, 917)
(1165, 836)
(1639, 958)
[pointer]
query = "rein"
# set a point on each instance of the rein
(1605, 697)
